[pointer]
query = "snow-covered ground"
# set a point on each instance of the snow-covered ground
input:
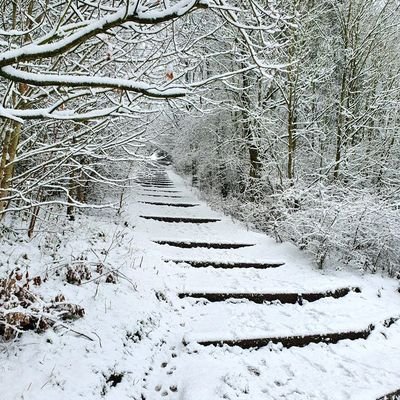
(139, 325)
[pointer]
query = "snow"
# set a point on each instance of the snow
(138, 325)
(5, 113)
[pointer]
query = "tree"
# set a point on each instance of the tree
(78, 55)
(324, 125)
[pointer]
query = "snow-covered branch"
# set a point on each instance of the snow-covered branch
(89, 81)
(132, 13)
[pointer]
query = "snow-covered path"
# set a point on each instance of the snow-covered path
(143, 337)
(350, 369)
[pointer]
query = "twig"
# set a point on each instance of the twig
(73, 330)
(98, 337)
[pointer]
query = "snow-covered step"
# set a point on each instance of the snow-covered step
(158, 190)
(229, 264)
(198, 213)
(286, 298)
(155, 184)
(297, 341)
(230, 321)
(356, 370)
(241, 280)
(145, 178)
(208, 245)
(292, 341)
(159, 203)
(153, 179)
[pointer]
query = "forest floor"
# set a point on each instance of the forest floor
(140, 340)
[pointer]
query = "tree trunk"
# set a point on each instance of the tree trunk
(9, 151)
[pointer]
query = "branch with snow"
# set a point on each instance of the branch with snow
(30, 78)
(132, 13)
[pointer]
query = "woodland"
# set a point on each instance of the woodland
(284, 114)
(274, 124)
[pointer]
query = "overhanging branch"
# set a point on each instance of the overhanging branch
(34, 79)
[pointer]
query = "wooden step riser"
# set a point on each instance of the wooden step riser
(151, 178)
(143, 183)
(180, 220)
(158, 191)
(156, 186)
(153, 174)
(159, 188)
(292, 341)
(161, 195)
(154, 183)
(182, 205)
(259, 298)
(205, 264)
(192, 245)
(151, 182)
